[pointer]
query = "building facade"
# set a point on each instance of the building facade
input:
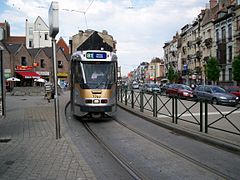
(214, 33)
(37, 34)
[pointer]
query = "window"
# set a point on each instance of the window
(223, 74)
(46, 36)
(30, 43)
(223, 33)
(230, 74)
(230, 53)
(230, 32)
(217, 35)
(60, 64)
(42, 65)
(23, 61)
(30, 30)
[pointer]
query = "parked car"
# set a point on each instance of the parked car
(150, 88)
(215, 95)
(135, 85)
(164, 87)
(233, 90)
(180, 90)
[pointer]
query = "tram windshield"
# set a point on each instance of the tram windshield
(96, 75)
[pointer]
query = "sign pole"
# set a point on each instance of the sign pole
(53, 31)
(56, 98)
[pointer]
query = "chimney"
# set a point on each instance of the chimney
(213, 3)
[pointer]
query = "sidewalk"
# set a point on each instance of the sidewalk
(28, 145)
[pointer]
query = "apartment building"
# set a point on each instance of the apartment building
(214, 33)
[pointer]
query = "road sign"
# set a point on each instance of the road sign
(53, 19)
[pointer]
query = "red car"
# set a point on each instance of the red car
(180, 90)
(233, 90)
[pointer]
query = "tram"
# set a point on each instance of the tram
(93, 83)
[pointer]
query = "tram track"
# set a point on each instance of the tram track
(126, 164)
(168, 148)
(121, 160)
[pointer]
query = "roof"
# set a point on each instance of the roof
(13, 48)
(16, 40)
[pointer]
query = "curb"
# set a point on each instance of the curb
(209, 139)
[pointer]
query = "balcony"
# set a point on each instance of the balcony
(208, 42)
(198, 54)
(198, 40)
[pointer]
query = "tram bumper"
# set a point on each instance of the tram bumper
(96, 109)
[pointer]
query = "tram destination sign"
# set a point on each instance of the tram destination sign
(96, 55)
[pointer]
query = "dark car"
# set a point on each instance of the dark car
(180, 90)
(215, 95)
(234, 90)
(150, 88)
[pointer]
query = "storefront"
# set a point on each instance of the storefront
(27, 77)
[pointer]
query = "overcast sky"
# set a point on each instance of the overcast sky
(140, 27)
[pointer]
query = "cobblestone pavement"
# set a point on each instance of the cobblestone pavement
(28, 145)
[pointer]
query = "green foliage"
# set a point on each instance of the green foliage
(236, 68)
(212, 69)
(171, 75)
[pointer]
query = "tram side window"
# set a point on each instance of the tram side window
(78, 74)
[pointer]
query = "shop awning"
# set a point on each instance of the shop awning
(29, 75)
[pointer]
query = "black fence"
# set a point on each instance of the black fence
(202, 115)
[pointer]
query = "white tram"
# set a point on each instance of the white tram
(93, 83)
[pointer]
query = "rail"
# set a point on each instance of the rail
(202, 115)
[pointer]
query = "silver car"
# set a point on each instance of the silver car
(215, 95)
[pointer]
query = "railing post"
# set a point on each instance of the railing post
(173, 109)
(141, 101)
(126, 97)
(176, 110)
(132, 102)
(121, 94)
(201, 116)
(154, 104)
(206, 117)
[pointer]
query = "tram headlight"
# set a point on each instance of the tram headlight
(96, 101)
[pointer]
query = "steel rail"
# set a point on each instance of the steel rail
(158, 143)
(133, 172)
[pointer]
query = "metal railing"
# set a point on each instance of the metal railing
(175, 110)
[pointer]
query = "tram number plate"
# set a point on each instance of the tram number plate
(96, 96)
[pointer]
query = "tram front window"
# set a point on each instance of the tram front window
(97, 75)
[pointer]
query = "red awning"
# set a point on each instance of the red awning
(29, 75)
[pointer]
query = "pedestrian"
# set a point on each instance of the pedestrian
(48, 91)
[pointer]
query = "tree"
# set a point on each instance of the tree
(212, 70)
(236, 69)
(171, 75)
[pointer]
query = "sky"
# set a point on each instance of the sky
(140, 27)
